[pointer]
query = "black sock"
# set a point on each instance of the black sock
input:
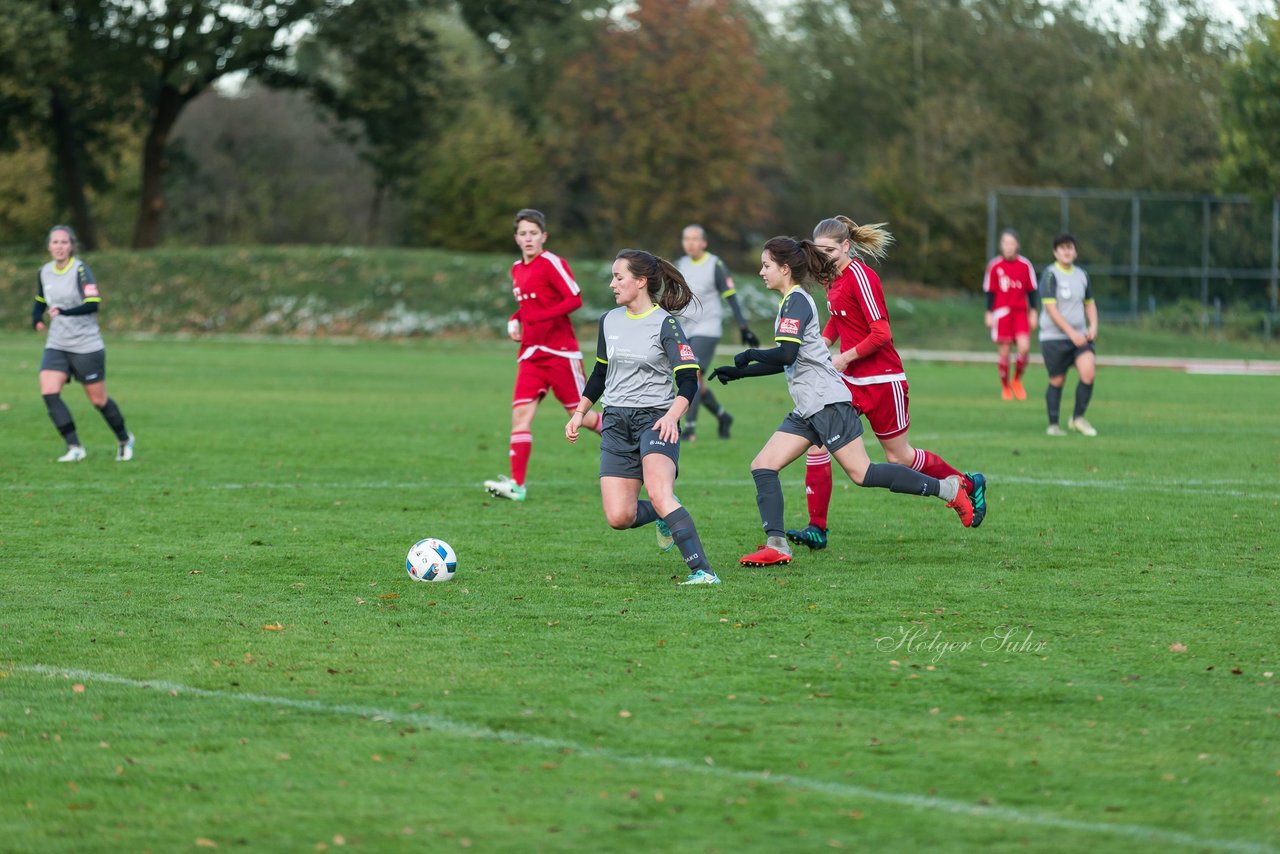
(61, 417)
(1053, 401)
(896, 478)
(645, 514)
(114, 419)
(712, 405)
(769, 500)
(1084, 391)
(680, 523)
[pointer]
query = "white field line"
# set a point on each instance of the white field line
(1210, 488)
(849, 791)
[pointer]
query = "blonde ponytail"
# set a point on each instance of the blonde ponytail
(865, 241)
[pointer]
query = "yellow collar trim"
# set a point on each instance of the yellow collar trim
(631, 316)
(1064, 269)
(788, 293)
(61, 270)
(706, 256)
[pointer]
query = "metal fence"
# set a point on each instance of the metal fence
(1147, 250)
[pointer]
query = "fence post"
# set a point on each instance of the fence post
(992, 204)
(1135, 245)
(1204, 255)
(1275, 257)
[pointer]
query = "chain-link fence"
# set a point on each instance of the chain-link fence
(1146, 252)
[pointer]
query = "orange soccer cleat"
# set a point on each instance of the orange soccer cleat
(769, 556)
(963, 505)
(1019, 393)
(1006, 391)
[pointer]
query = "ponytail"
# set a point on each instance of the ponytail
(666, 284)
(807, 261)
(865, 241)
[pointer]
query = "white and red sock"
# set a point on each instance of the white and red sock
(927, 462)
(817, 487)
(521, 447)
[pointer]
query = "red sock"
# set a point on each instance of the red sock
(1022, 365)
(521, 446)
(927, 462)
(817, 487)
(1003, 363)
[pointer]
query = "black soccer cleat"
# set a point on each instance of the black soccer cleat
(726, 421)
(811, 535)
(978, 495)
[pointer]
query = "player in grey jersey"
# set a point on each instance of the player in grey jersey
(640, 347)
(1068, 328)
(66, 288)
(710, 282)
(824, 413)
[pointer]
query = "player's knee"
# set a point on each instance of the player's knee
(620, 520)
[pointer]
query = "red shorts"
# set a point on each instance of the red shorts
(543, 372)
(1009, 325)
(884, 405)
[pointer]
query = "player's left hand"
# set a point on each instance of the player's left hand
(749, 338)
(742, 359)
(668, 428)
(55, 311)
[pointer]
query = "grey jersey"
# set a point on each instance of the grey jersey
(1069, 290)
(70, 288)
(643, 353)
(709, 280)
(811, 378)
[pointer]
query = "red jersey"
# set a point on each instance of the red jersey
(1007, 284)
(546, 295)
(855, 301)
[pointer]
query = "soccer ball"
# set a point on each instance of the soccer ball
(431, 560)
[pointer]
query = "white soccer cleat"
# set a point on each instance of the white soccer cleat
(1084, 428)
(74, 454)
(505, 487)
(1055, 430)
(125, 451)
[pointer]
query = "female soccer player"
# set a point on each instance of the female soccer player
(74, 347)
(710, 282)
(640, 346)
(824, 416)
(1010, 285)
(872, 370)
(550, 359)
(1068, 328)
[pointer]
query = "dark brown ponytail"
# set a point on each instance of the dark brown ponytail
(666, 284)
(808, 263)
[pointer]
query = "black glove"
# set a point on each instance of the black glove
(742, 359)
(726, 374)
(749, 338)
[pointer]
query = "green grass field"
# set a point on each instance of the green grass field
(217, 644)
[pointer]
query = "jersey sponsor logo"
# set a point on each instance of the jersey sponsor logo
(686, 354)
(789, 326)
(91, 290)
(1064, 292)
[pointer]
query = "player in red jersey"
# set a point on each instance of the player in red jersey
(1010, 285)
(550, 358)
(871, 368)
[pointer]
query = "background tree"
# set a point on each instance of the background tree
(646, 134)
(378, 66)
(1251, 120)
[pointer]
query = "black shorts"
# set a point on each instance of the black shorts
(627, 437)
(704, 349)
(832, 427)
(1062, 354)
(87, 368)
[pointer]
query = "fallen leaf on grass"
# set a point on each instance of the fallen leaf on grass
(78, 688)
(273, 627)
(201, 842)
(1177, 647)
(389, 596)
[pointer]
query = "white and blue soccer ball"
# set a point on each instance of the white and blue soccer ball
(431, 560)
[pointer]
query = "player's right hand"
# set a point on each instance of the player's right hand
(513, 330)
(988, 319)
(571, 429)
(39, 326)
(726, 374)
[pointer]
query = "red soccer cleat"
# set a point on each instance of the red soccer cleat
(1019, 393)
(769, 556)
(1006, 392)
(963, 506)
